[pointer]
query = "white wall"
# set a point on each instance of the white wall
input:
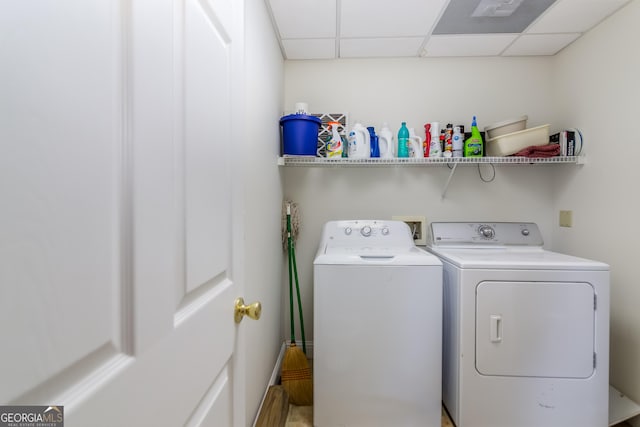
(263, 198)
(419, 91)
(597, 83)
(592, 85)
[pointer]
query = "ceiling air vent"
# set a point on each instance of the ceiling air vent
(496, 8)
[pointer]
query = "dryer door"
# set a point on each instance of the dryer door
(535, 329)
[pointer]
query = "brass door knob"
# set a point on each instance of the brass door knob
(252, 310)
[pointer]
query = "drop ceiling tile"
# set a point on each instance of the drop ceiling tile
(468, 44)
(304, 18)
(383, 28)
(377, 48)
(574, 16)
(397, 18)
(309, 48)
(540, 44)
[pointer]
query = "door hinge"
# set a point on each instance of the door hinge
(595, 302)
(594, 360)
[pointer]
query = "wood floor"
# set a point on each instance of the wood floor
(277, 412)
(302, 416)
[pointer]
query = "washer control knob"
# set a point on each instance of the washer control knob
(347, 231)
(525, 231)
(486, 231)
(385, 231)
(366, 231)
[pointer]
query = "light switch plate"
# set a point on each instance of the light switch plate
(566, 218)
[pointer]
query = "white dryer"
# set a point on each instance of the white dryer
(526, 330)
(377, 328)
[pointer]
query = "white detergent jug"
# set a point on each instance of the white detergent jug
(415, 144)
(385, 142)
(359, 142)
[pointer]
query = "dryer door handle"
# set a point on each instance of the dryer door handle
(495, 328)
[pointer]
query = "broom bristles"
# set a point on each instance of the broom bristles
(296, 376)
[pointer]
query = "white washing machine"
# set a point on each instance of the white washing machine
(526, 331)
(377, 328)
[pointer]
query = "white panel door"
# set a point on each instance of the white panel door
(535, 329)
(120, 228)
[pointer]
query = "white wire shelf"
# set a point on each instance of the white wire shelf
(321, 161)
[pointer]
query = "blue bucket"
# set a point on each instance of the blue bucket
(300, 134)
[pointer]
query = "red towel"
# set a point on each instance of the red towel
(549, 150)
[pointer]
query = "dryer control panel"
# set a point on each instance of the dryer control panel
(463, 234)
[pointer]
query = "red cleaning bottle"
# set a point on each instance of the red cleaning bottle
(426, 145)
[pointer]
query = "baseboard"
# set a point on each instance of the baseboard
(275, 374)
(275, 379)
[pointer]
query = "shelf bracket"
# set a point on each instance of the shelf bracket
(446, 185)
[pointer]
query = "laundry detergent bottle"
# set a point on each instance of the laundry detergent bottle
(473, 146)
(403, 140)
(359, 142)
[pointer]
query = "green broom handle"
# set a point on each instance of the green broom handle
(289, 243)
(293, 335)
(295, 273)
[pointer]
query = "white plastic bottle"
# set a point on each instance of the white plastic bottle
(385, 142)
(457, 142)
(415, 144)
(435, 150)
(359, 142)
(335, 145)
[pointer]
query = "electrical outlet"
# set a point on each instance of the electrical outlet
(418, 226)
(566, 218)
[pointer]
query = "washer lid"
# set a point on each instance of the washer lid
(371, 255)
(531, 258)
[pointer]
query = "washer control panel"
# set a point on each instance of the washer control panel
(369, 232)
(485, 233)
(366, 230)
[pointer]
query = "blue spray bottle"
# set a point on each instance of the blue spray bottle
(375, 148)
